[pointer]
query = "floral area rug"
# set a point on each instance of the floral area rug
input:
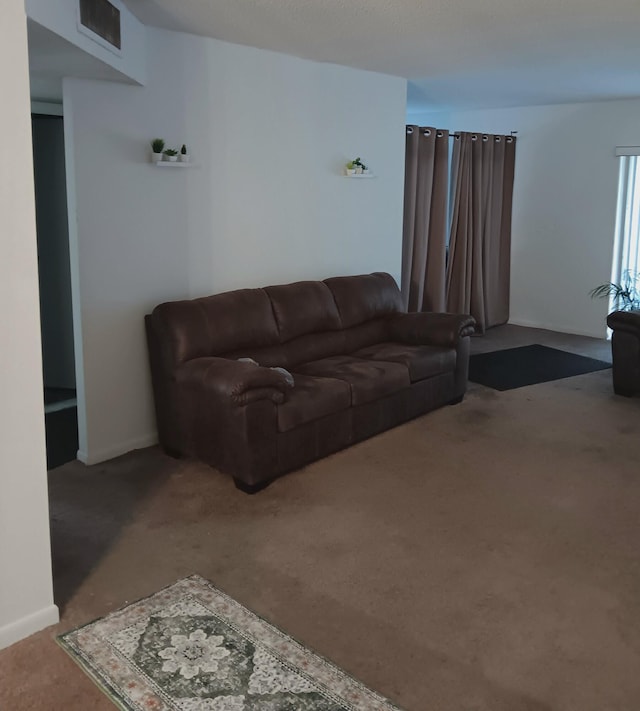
(190, 647)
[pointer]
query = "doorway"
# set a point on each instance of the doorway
(54, 272)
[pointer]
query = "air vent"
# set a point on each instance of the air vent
(102, 18)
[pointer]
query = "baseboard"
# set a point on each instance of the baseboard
(26, 626)
(102, 455)
(558, 329)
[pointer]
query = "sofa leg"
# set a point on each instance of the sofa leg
(457, 401)
(250, 488)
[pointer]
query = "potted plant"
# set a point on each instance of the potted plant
(171, 155)
(624, 296)
(157, 147)
(184, 154)
(356, 167)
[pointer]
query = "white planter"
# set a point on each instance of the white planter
(184, 157)
(358, 171)
(156, 157)
(350, 171)
(171, 159)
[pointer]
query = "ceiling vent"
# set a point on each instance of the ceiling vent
(102, 19)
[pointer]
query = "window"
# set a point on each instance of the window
(626, 253)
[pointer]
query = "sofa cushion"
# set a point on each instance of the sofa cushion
(313, 346)
(366, 334)
(312, 398)
(299, 350)
(422, 361)
(366, 297)
(303, 307)
(214, 325)
(368, 379)
(269, 356)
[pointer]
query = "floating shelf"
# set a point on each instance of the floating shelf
(172, 164)
(360, 176)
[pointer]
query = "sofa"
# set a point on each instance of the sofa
(360, 365)
(625, 349)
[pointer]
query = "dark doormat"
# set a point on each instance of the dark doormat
(62, 436)
(528, 365)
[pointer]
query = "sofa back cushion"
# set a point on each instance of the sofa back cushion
(302, 349)
(302, 308)
(215, 325)
(366, 334)
(366, 297)
(313, 346)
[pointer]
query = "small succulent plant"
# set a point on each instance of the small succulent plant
(356, 164)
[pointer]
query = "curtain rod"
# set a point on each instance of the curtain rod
(457, 135)
(474, 137)
(440, 134)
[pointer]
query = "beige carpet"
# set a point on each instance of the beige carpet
(484, 557)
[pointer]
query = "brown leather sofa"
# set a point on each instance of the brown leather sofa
(360, 365)
(625, 348)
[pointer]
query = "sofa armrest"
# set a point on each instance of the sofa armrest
(233, 381)
(426, 328)
(627, 321)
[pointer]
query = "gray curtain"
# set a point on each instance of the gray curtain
(479, 265)
(425, 219)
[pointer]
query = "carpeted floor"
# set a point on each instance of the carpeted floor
(481, 558)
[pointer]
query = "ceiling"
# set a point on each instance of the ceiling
(473, 53)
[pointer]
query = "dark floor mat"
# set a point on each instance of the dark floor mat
(528, 365)
(62, 436)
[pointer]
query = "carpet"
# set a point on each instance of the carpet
(528, 365)
(190, 647)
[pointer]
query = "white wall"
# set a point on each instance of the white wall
(61, 17)
(564, 204)
(26, 597)
(266, 203)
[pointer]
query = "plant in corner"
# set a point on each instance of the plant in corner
(157, 147)
(184, 154)
(171, 155)
(624, 296)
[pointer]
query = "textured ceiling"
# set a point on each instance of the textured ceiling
(465, 53)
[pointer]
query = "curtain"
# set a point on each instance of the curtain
(425, 219)
(479, 265)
